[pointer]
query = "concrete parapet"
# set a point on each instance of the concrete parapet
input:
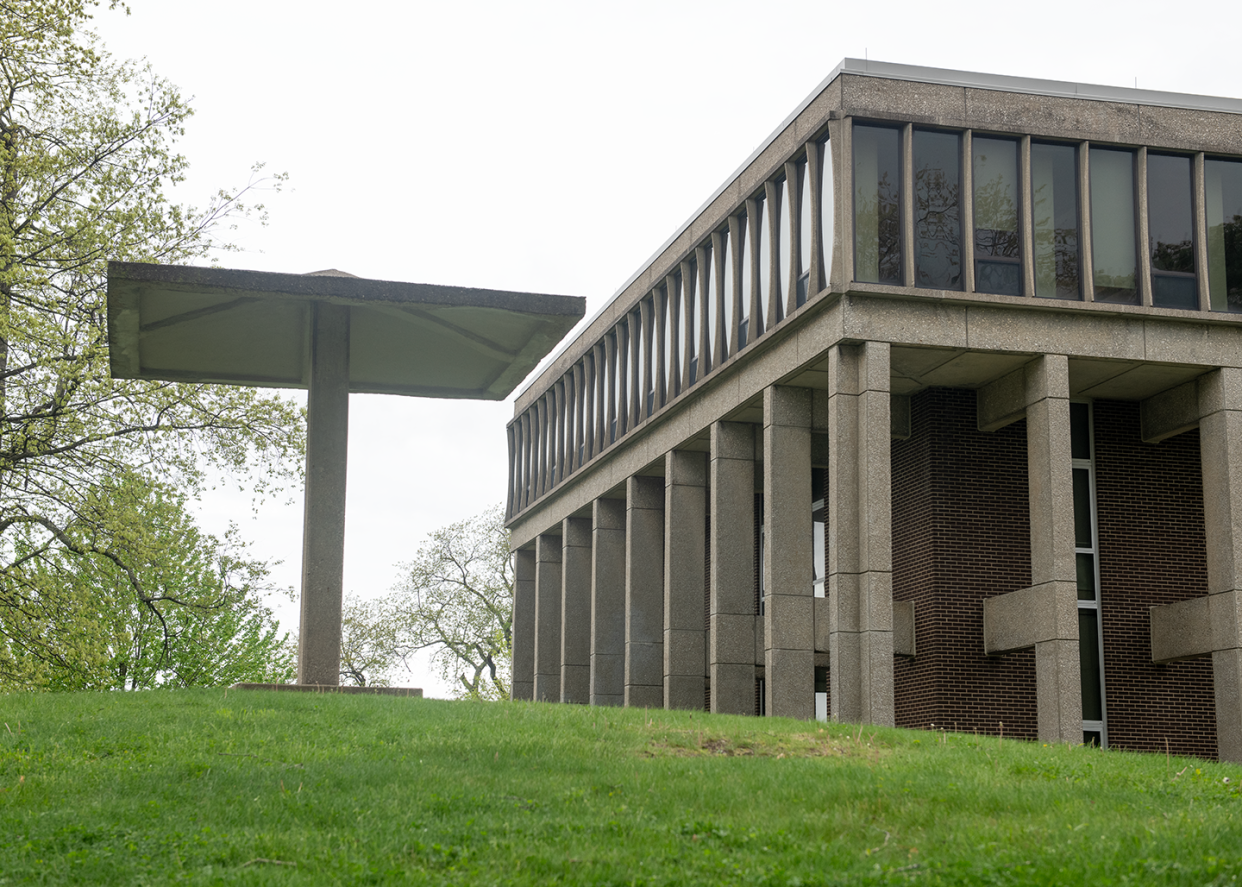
(1029, 616)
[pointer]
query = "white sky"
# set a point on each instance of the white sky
(549, 147)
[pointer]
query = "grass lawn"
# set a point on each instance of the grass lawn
(250, 787)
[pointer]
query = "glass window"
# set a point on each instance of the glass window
(877, 206)
(1112, 225)
(671, 314)
(937, 210)
(1170, 227)
(692, 311)
(998, 258)
(825, 208)
(819, 517)
(760, 222)
(1224, 233)
(804, 231)
(711, 307)
(1054, 199)
(784, 251)
(638, 372)
(746, 249)
(727, 277)
(1089, 659)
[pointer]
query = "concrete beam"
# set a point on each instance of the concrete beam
(903, 629)
(576, 610)
(1030, 616)
(1170, 412)
(685, 576)
(1181, 631)
(644, 592)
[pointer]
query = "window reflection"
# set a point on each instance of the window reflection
(877, 206)
(825, 198)
(937, 210)
(761, 233)
(785, 249)
(1224, 233)
(1054, 199)
(745, 247)
(998, 258)
(1112, 225)
(1170, 229)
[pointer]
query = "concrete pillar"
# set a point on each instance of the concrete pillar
(523, 624)
(731, 640)
(608, 602)
(644, 592)
(547, 618)
(860, 584)
(1050, 472)
(789, 618)
(576, 610)
(685, 540)
(1220, 437)
(323, 528)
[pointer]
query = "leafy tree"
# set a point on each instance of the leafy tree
(153, 602)
(87, 155)
(456, 598)
(368, 642)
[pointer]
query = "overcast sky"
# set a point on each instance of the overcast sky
(548, 147)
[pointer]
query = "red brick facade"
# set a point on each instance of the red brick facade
(1149, 500)
(961, 534)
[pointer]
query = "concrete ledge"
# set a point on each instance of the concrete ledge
(1181, 631)
(903, 628)
(1029, 616)
(415, 692)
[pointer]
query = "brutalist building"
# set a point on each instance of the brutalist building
(931, 415)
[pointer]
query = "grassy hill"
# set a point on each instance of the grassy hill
(247, 787)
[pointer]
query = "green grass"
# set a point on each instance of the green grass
(209, 787)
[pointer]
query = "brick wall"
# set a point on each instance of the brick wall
(961, 533)
(1149, 501)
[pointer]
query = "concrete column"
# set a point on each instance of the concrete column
(731, 641)
(789, 618)
(323, 528)
(608, 602)
(523, 624)
(1050, 471)
(576, 610)
(547, 618)
(685, 540)
(1045, 615)
(1220, 436)
(860, 584)
(644, 592)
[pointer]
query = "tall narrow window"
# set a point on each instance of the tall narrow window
(825, 198)
(1170, 227)
(785, 231)
(1094, 727)
(724, 267)
(877, 206)
(819, 516)
(937, 209)
(620, 418)
(639, 374)
(746, 295)
(804, 231)
(692, 313)
(1112, 225)
(761, 234)
(711, 305)
(1224, 233)
(998, 258)
(1054, 204)
(671, 315)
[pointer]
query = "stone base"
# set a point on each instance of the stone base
(334, 688)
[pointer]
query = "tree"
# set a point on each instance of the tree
(76, 621)
(368, 642)
(456, 598)
(87, 155)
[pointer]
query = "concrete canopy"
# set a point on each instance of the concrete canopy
(184, 324)
(332, 334)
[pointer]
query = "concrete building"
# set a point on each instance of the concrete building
(932, 414)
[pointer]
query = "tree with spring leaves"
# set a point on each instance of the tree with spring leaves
(87, 156)
(456, 598)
